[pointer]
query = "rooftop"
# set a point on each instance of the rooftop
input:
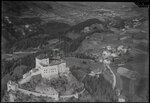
(42, 56)
(54, 62)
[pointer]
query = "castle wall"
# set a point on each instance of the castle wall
(69, 96)
(27, 77)
(26, 74)
(38, 94)
(36, 73)
(25, 80)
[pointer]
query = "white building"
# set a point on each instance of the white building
(50, 69)
(108, 47)
(106, 54)
(122, 48)
(86, 30)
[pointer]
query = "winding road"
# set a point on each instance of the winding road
(114, 76)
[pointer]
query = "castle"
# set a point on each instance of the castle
(50, 68)
(47, 68)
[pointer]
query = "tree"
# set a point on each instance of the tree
(36, 79)
(18, 72)
(4, 81)
(6, 97)
(31, 85)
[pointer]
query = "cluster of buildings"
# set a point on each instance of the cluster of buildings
(109, 54)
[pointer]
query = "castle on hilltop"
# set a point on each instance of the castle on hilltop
(49, 68)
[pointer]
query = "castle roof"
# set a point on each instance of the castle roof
(42, 56)
(54, 62)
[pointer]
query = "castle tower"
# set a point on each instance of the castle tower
(41, 59)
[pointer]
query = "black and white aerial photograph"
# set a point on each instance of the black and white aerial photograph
(67, 51)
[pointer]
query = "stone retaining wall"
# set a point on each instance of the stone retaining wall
(69, 96)
(38, 94)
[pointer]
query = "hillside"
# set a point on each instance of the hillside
(44, 26)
